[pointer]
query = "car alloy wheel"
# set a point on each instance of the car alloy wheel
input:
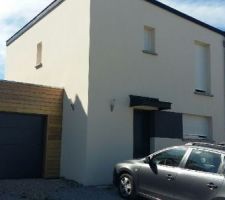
(126, 186)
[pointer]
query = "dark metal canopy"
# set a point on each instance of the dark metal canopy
(137, 101)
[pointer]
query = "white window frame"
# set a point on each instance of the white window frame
(149, 40)
(202, 68)
(39, 55)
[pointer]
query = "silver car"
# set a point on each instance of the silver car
(195, 171)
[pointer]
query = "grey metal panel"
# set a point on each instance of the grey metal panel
(167, 125)
(21, 145)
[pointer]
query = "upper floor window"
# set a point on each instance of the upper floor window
(202, 67)
(39, 55)
(149, 40)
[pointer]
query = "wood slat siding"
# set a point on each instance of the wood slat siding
(34, 99)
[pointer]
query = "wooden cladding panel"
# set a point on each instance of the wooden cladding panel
(33, 99)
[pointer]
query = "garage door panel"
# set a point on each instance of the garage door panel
(20, 152)
(21, 145)
(19, 120)
(13, 136)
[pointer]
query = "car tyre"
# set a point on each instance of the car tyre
(127, 187)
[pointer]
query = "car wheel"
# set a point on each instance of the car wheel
(126, 186)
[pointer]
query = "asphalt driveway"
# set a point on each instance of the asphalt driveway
(40, 189)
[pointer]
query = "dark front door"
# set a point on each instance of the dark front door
(141, 134)
(21, 145)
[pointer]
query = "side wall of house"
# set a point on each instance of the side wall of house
(64, 34)
(119, 68)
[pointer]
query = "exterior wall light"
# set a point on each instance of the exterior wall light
(112, 104)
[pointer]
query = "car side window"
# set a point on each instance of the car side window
(204, 161)
(171, 157)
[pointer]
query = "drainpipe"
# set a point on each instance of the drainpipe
(224, 68)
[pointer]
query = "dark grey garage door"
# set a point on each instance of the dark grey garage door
(21, 145)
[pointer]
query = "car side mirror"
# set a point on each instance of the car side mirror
(147, 160)
(152, 163)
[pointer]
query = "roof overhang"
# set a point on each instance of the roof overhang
(56, 3)
(185, 16)
(140, 102)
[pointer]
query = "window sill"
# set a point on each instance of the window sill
(203, 93)
(39, 66)
(150, 52)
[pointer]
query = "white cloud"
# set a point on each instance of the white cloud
(211, 12)
(13, 15)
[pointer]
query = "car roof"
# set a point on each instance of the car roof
(208, 146)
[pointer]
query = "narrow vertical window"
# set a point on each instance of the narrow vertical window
(202, 67)
(149, 39)
(39, 55)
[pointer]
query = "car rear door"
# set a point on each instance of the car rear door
(199, 179)
(160, 181)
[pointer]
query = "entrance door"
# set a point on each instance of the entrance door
(141, 145)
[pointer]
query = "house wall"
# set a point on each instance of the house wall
(119, 68)
(64, 34)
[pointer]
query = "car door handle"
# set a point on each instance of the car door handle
(170, 177)
(212, 186)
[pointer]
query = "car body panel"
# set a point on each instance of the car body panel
(163, 178)
(192, 185)
(174, 183)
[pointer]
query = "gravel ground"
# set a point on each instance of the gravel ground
(59, 189)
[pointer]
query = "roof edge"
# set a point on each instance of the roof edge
(34, 21)
(56, 3)
(185, 16)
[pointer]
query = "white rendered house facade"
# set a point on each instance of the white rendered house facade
(138, 76)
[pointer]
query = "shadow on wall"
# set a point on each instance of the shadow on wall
(74, 137)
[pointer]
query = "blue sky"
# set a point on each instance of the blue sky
(15, 13)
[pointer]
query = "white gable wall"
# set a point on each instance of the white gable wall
(64, 34)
